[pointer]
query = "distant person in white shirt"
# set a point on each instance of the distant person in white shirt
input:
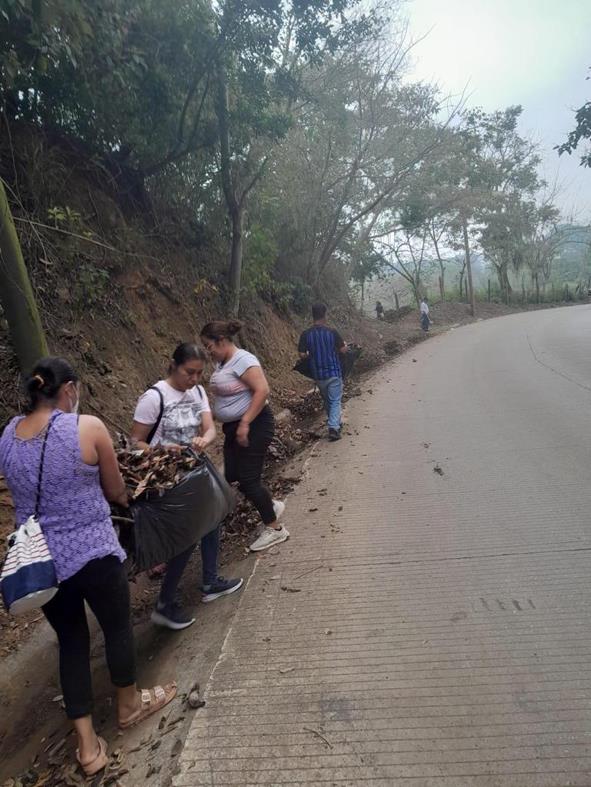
(425, 319)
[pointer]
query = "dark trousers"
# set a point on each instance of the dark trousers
(245, 465)
(102, 583)
(210, 547)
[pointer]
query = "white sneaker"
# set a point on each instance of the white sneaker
(278, 508)
(268, 538)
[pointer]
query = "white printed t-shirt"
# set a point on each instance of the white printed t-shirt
(424, 308)
(232, 396)
(181, 417)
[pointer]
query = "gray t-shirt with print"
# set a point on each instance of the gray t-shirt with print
(181, 417)
(232, 396)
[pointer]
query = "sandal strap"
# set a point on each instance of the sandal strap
(149, 695)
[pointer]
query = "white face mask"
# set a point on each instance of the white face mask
(75, 405)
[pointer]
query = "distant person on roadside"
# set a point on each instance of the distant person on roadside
(379, 310)
(240, 390)
(175, 413)
(424, 311)
(322, 345)
(68, 463)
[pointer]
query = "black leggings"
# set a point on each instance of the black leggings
(102, 583)
(245, 465)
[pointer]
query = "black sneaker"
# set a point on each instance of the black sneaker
(221, 587)
(171, 616)
(334, 434)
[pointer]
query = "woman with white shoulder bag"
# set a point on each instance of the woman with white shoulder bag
(61, 470)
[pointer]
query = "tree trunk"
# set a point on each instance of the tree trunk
(233, 205)
(489, 290)
(235, 273)
(469, 267)
(507, 286)
(16, 294)
(441, 267)
(537, 285)
(461, 284)
(396, 301)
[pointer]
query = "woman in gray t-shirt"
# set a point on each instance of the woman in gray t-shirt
(240, 390)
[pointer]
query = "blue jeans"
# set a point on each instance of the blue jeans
(210, 547)
(331, 391)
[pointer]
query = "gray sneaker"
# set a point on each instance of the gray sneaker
(268, 538)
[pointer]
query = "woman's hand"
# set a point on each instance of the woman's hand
(242, 434)
(124, 499)
(200, 444)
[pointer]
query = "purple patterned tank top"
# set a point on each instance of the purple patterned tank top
(73, 512)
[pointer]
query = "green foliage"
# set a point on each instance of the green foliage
(302, 296)
(66, 216)
(581, 133)
(289, 123)
(260, 257)
(91, 286)
(35, 34)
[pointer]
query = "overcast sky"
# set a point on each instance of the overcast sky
(536, 53)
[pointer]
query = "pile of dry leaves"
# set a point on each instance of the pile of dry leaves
(156, 470)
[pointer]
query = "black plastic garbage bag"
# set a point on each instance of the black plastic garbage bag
(165, 525)
(348, 359)
(303, 365)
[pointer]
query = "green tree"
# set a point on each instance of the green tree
(580, 134)
(16, 294)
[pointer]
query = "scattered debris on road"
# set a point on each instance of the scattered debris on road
(319, 735)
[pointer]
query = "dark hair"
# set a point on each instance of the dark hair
(221, 329)
(188, 351)
(319, 311)
(46, 379)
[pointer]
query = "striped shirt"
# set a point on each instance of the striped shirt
(322, 345)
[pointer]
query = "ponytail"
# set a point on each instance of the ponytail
(221, 329)
(46, 379)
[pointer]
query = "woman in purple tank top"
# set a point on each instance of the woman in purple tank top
(79, 475)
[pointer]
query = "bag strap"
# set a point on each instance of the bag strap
(38, 500)
(154, 429)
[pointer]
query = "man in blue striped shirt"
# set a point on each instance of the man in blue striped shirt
(322, 346)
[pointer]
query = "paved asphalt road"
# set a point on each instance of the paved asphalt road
(428, 622)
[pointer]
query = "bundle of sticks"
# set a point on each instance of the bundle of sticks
(156, 470)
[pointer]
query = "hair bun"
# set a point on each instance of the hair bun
(234, 326)
(38, 381)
